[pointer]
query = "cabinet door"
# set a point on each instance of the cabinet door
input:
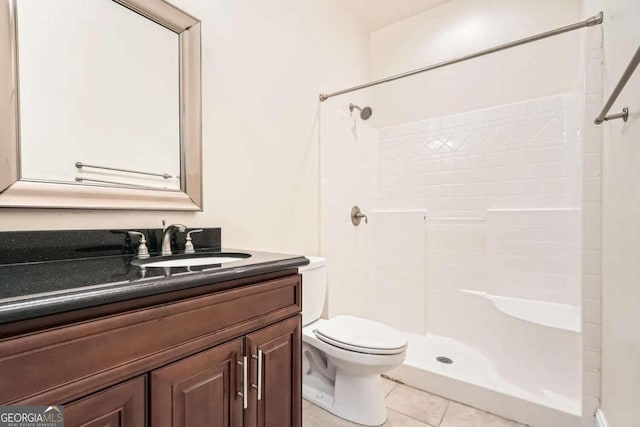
(201, 390)
(275, 396)
(124, 405)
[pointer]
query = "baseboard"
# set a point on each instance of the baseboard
(601, 420)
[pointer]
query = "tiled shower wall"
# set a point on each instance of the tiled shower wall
(502, 192)
(397, 295)
(512, 179)
(591, 220)
(527, 178)
(502, 188)
(524, 155)
(348, 150)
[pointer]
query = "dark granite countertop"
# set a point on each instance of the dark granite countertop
(34, 289)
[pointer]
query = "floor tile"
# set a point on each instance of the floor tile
(417, 404)
(388, 386)
(459, 415)
(396, 419)
(491, 420)
(314, 416)
(409, 407)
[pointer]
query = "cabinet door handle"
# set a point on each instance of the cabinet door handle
(243, 393)
(259, 386)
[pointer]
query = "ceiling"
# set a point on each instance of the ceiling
(376, 14)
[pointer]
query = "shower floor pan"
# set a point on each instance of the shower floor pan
(472, 379)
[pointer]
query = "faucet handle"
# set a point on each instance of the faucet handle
(188, 245)
(143, 250)
(357, 216)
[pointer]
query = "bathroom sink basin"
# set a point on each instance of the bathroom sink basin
(192, 260)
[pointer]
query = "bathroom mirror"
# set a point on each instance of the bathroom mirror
(100, 105)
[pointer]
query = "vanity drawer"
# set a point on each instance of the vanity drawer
(58, 365)
(124, 405)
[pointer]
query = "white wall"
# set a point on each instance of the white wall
(462, 27)
(264, 64)
(621, 223)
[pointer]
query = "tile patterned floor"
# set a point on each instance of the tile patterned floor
(409, 407)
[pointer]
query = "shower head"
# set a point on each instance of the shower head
(365, 113)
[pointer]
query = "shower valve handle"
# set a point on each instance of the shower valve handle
(357, 215)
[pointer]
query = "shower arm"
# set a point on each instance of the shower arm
(590, 22)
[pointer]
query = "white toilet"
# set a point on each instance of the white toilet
(343, 357)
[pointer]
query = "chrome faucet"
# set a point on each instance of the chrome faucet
(167, 232)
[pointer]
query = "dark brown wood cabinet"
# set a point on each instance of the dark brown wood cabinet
(201, 390)
(227, 355)
(124, 405)
(275, 396)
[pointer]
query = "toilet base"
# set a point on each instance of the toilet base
(359, 399)
(344, 382)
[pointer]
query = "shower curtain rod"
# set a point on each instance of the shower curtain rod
(603, 116)
(592, 21)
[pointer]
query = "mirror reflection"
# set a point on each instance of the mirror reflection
(99, 95)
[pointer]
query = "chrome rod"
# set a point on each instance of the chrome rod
(245, 383)
(616, 91)
(594, 20)
(624, 115)
(81, 165)
(125, 184)
(259, 386)
(245, 378)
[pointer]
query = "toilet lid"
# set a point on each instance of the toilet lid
(363, 335)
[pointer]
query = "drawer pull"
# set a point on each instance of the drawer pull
(245, 383)
(259, 386)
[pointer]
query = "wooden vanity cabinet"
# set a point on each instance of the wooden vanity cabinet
(276, 399)
(227, 358)
(208, 389)
(201, 390)
(118, 406)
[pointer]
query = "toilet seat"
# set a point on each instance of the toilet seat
(361, 335)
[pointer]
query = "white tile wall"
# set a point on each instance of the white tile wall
(503, 191)
(592, 184)
(348, 150)
(520, 162)
(520, 155)
(534, 254)
(396, 290)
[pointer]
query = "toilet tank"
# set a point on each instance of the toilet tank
(314, 288)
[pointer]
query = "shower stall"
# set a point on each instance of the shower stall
(483, 222)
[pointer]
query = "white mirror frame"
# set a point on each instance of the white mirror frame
(18, 193)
